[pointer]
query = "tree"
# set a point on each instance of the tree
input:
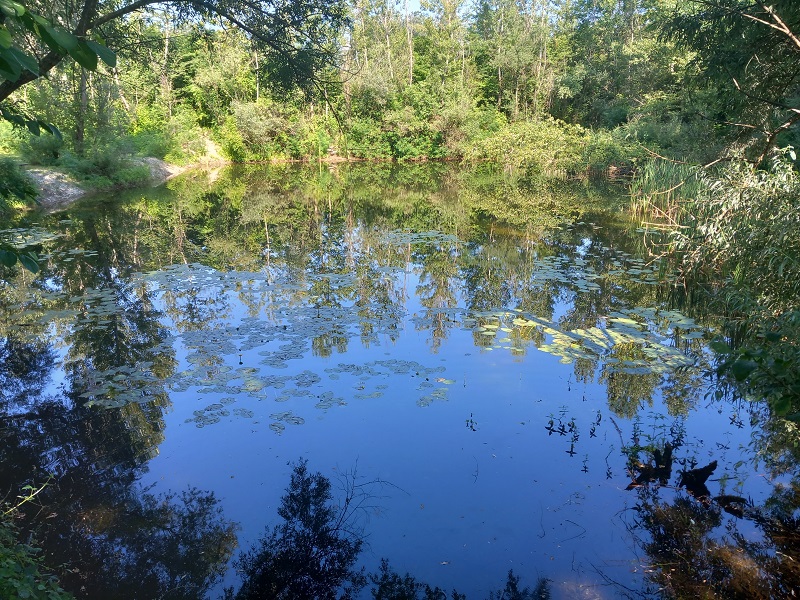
(311, 554)
(296, 37)
(750, 51)
(21, 27)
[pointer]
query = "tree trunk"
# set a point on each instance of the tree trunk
(410, 42)
(80, 116)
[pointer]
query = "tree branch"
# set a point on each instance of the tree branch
(51, 59)
(781, 25)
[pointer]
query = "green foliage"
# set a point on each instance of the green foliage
(22, 573)
(188, 141)
(740, 235)
(232, 142)
(15, 185)
(366, 140)
(662, 188)
(45, 150)
(262, 131)
(610, 59)
(9, 255)
(553, 147)
(728, 37)
(767, 363)
(671, 125)
(17, 22)
(544, 146)
(104, 166)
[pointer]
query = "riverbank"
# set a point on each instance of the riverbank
(58, 190)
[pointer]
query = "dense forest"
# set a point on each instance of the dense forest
(573, 85)
(694, 105)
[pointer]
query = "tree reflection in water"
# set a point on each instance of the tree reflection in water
(697, 544)
(312, 553)
(99, 329)
(102, 534)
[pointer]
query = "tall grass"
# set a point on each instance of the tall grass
(664, 191)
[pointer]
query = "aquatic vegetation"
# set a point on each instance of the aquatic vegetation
(532, 371)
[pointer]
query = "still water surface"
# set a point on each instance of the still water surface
(492, 359)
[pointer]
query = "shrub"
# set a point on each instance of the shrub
(366, 140)
(45, 149)
(15, 185)
(546, 146)
(230, 139)
(188, 138)
(740, 235)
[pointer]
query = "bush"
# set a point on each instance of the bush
(188, 139)
(265, 129)
(546, 146)
(45, 150)
(602, 150)
(740, 235)
(366, 140)
(107, 167)
(15, 185)
(152, 143)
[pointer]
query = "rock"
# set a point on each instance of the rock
(56, 190)
(160, 171)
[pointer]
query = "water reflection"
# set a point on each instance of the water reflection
(286, 300)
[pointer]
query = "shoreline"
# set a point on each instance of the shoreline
(57, 190)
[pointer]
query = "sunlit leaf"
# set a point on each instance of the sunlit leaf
(106, 55)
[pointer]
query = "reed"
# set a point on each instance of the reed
(664, 191)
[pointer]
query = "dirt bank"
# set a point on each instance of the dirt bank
(58, 190)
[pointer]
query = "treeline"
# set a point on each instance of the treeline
(573, 86)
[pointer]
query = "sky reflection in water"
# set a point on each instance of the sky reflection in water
(353, 334)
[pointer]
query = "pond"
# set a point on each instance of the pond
(486, 368)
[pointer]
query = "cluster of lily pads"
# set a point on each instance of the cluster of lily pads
(258, 324)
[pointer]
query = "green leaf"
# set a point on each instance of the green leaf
(9, 66)
(719, 346)
(13, 118)
(62, 37)
(773, 336)
(11, 9)
(5, 37)
(106, 55)
(49, 127)
(8, 259)
(29, 262)
(33, 127)
(28, 62)
(742, 368)
(782, 405)
(84, 56)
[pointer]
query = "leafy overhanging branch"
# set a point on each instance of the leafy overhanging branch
(753, 50)
(18, 67)
(299, 33)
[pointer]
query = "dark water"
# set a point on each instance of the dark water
(491, 363)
